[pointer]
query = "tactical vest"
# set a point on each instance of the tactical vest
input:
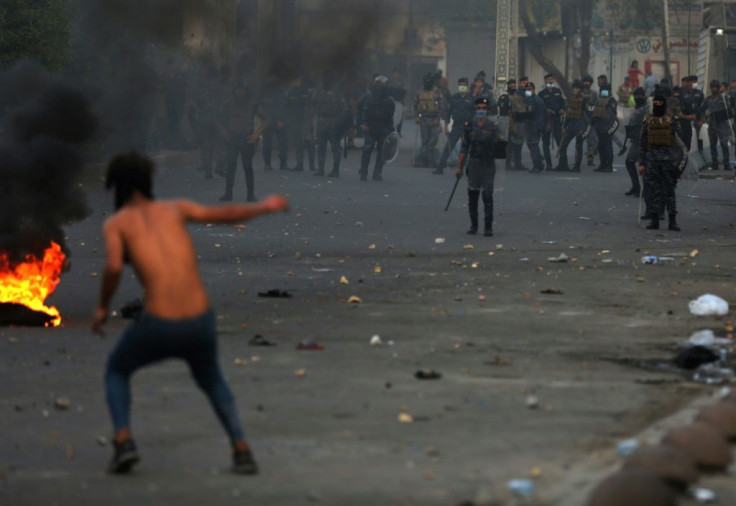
(659, 131)
(428, 104)
(504, 105)
(600, 109)
(574, 107)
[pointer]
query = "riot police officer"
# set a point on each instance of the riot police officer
(555, 104)
(460, 111)
(686, 115)
(529, 115)
(658, 152)
(429, 106)
(333, 119)
(591, 99)
(633, 132)
(504, 111)
(376, 118)
(480, 141)
(717, 114)
(605, 124)
(574, 125)
(300, 104)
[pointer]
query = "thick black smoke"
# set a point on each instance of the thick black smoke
(43, 124)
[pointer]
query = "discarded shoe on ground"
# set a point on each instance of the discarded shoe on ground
(259, 340)
(275, 293)
(427, 374)
(309, 344)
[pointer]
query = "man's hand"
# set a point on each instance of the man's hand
(459, 171)
(253, 138)
(642, 168)
(99, 320)
(447, 129)
(275, 204)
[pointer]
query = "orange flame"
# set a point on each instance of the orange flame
(31, 282)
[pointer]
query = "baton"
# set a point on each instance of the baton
(641, 197)
(452, 194)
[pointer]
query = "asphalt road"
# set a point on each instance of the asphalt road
(471, 307)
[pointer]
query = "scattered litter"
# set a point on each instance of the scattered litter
(240, 361)
(482, 298)
(524, 259)
(532, 402)
(259, 340)
(372, 246)
(693, 357)
(255, 358)
(322, 269)
(708, 304)
(102, 440)
(439, 240)
(132, 308)
(522, 488)
(405, 418)
(62, 403)
(498, 361)
(549, 242)
(354, 299)
(659, 260)
(551, 291)
(627, 447)
(474, 265)
(562, 258)
(309, 344)
(707, 338)
(376, 340)
(358, 223)
(344, 280)
(713, 374)
(275, 293)
(377, 269)
(694, 253)
(468, 246)
(427, 374)
(499, 246)
(300, 373)
(536, 472)
(703, 495)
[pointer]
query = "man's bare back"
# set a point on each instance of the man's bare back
(154, 237)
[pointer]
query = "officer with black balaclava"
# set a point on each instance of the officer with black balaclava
(375, 116)
(555, 104)
(479, 145)
(633, 132)
(460, 111)
(717, 115)
(605, 123)
(658, 152)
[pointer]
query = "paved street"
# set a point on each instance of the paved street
(471, 307)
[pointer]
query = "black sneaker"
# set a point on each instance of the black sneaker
(243, 463)
(124, 458)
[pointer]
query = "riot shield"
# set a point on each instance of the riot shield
(390, 147)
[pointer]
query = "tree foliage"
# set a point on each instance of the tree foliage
(35, 29)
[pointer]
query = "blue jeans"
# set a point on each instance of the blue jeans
(149, 339)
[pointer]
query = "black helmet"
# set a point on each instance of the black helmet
(587, 78)
(482, 100)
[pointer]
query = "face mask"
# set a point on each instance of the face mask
(528, 93)
(481, 113)
(550, 85)
(463, 89)
(511, 89)
(604, 93)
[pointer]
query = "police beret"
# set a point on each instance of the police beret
(482, 100)
(587, 78)
(511, 81)
(530, 85)
(715, 83)
(548, 75)
(524, 78)
(462, 80)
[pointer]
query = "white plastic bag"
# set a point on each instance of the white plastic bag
(708, 304)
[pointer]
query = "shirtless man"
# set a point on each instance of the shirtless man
(178, 321)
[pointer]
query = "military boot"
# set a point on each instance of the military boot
(488, 214)
(673, 223)
(335, 170)
(562, 165)
(473, 196)
(654, 223)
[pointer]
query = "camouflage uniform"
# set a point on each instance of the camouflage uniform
(717, 114)
(479, 144)
(529, 116)
(603, 118)
(460, 111)
(658, 152)
(429, 106)
(554, 102)
(300, 103)
(238, 117)
(575, 123)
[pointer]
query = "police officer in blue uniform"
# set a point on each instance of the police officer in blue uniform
(460, 111)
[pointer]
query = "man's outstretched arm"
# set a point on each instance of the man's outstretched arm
(110, 275)
(232, 213)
